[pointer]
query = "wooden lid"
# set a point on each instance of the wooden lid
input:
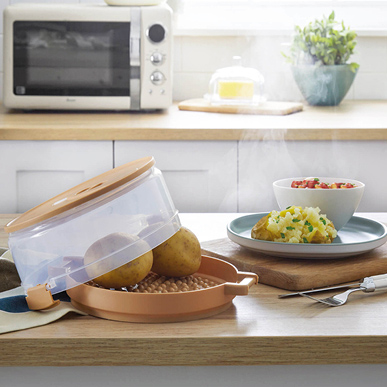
(82, 193)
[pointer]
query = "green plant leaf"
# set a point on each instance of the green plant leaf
(354, 67)
(322, 42)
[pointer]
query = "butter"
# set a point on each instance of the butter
(236, 89)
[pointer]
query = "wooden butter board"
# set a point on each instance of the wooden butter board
(298, 274)
(273, 108)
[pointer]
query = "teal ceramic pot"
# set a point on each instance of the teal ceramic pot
(324, 85)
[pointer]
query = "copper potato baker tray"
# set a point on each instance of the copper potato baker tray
(167, 307)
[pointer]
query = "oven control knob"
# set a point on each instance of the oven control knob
(156, 33)
(157, 58)
(157, 78)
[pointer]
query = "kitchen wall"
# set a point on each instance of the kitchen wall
(197, 57)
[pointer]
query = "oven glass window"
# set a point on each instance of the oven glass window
(71, 58)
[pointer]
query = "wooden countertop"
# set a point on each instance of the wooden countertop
(258, 329)
(351, 120)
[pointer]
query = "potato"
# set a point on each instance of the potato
(295, 225)
(128, 274)
(319, 238)
(178, 256)
(259, 231)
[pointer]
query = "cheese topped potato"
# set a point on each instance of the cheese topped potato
(295, 225)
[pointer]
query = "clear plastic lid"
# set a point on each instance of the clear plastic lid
(126, 212)
(236, 85)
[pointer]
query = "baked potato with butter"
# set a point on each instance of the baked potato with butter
(295, 225)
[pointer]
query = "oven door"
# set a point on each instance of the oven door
(72, 65)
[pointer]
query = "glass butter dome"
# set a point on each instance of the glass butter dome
(236, 85)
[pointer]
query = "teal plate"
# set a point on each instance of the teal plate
(358, 236)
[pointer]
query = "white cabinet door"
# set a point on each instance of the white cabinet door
(201, 175)
(34, 171)
(263, 162)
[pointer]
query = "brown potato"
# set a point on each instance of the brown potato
(259, 231)
(320, 238)
(128, 274)
(178, 256)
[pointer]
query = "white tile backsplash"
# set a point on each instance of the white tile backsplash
(207, 54)
(197, 58)
(280, 86)
(266, 53)
(190, 85)
(177, 65)
(370, 86)
(371, 54)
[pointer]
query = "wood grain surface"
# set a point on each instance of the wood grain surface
(299, 274)
(258, 329)
(270, 108)
(351, 120)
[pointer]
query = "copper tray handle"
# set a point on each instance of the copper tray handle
(40, 298)
(247, 280)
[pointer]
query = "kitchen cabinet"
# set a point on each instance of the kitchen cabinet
(34, 171)
(200, 176)
(211, 162)
(262, 162)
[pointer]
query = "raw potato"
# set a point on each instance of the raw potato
(178, 256)
(128, 274)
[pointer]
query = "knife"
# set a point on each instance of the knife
(318, 290)
(366, 279)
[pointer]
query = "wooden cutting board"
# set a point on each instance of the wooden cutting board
(298, 274)
(268, 108)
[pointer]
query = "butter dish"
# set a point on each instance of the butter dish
(236, 85)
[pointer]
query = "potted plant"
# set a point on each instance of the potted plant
(319, 56)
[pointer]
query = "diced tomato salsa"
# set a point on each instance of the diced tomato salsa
(317, 184)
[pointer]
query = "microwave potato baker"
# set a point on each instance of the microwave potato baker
(49, 244)
(87, 57)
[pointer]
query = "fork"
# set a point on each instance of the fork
(337, 300)
(369, 284)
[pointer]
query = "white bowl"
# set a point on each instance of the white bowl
(337, 204)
